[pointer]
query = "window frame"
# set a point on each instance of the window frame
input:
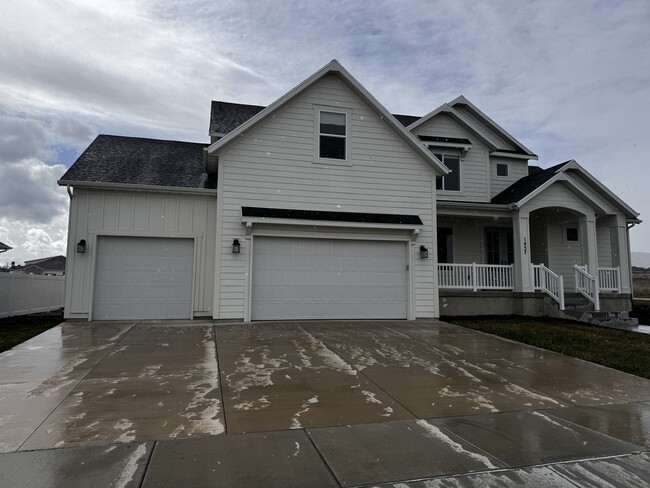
(506, 166)
(318, 109)
(565, 234)
(438, 153)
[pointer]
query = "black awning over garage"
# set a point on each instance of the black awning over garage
(295, 214)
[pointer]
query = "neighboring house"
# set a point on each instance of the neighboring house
(52, 266)
(324, 205)
(4, 247)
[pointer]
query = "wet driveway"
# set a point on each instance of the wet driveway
(338, 403)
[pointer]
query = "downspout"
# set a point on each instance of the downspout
(629, 257)
(69, 191)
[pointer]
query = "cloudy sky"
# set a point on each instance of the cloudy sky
(570, 79)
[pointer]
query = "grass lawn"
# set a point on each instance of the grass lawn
(15, 330)
(618, 349)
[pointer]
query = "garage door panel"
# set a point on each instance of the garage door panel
(328, 278)
(143, 278)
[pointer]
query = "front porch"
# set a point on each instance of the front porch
(482, 277)
(534, 261)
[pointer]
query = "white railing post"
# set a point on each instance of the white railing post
(561, 292)
(474, 277)
(618, 279)
(596, 284)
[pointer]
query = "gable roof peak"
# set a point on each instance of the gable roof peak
(334, 67)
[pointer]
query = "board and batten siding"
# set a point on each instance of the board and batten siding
(274, 165)
(143, 214)
(473, 167)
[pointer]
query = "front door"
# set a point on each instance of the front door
(499, 246)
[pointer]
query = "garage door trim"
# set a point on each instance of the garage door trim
(404, 238)
(94, 239)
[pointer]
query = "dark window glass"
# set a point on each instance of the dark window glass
(571, 234)
(445, 245)
(502, 170)
(332, 135)
(450, 182)
(332, 147)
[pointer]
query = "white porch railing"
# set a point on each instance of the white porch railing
(22, 294)
(475, 276)
(587, 285)
(550, 283)
(609, 279)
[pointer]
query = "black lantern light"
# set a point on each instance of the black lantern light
(424, 252)
(236, 247)
(81, 246)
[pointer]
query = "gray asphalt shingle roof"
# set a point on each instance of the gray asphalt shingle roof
(226, 116)
(139, 161)
(520, 188)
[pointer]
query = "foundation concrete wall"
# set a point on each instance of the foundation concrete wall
(468, 303)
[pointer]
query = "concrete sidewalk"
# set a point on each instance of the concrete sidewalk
(354, 403)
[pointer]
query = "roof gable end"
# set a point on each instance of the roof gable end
(334, 67)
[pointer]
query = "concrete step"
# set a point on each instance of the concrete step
(613, 320)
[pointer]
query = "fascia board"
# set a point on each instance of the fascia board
(573, 164)
(497, 127)
(125, 186)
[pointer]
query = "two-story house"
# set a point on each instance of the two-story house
(324, 205)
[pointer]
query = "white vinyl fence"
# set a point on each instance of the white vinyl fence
(22, 294)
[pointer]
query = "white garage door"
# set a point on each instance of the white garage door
(143, 278)
(328, 279)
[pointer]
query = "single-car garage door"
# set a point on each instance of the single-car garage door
(328, 279)
(143, 278)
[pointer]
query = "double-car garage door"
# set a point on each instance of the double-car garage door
(296, 278)
(143, 278)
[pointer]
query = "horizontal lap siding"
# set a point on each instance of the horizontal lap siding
(517, 169)
(273, 166)
(95, 212)
(604, 243)
(563, 255)
(474, 174)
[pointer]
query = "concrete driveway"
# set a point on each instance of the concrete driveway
(331, 403)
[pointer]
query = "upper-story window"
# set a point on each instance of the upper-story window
(332, 134)
(502, 169)
(450, 182)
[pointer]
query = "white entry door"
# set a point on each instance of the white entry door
(143, 278)
(328, 279)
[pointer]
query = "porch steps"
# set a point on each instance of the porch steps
(579, 308)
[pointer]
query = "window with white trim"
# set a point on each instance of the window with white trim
(450, 182)
(332, 135)
(502, 169)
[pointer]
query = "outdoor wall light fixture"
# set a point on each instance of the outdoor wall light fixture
(81, 247)
(424, 252)
(236, 247)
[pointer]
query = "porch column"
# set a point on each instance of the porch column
(589, 240)
(623, 257)
(521, 242)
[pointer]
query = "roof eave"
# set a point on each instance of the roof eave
(134, 187)
(334, 67)
(497, 127)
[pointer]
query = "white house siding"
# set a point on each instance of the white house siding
(469, 236)
(604, 241)
(478, 122)
(474, 166)
(273, 166)
(145, 214)
(517, 169)
(563, 255)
